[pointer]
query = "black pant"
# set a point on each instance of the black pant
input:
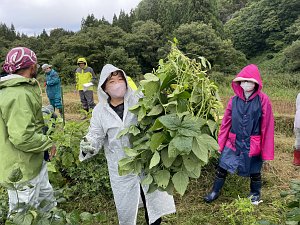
(87, 99)
(158, 221)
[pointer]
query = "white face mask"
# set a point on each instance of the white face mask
(247, 86)
(117, 90)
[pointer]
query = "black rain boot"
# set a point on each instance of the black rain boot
(218, 184)
(61, 112)
(255, 187)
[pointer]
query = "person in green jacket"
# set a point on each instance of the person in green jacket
(22, 143)
(85, 79)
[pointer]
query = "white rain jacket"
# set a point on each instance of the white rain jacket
(297, 115)
(104, 127)
(297, 123)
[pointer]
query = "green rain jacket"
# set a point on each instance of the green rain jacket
(85, 75)
(22, 143)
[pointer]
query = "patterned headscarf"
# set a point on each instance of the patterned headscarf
(19, 58)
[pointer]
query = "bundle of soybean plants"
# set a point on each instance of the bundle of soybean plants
(177, 124)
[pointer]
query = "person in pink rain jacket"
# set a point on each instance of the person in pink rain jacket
(246, 137)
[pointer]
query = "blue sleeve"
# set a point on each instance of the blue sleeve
(53, 79)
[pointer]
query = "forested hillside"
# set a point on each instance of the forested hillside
(227, 32)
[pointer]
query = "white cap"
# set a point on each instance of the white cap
(46, 66)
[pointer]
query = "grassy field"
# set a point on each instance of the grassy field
(231, 207)
(191, 209)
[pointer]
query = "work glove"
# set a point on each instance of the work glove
(86, 147)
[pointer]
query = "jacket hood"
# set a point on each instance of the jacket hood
(251, 73)
(15, 80)
(105, 73)
(82, 60)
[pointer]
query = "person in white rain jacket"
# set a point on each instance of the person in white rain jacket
(109, 117)
(296, 160)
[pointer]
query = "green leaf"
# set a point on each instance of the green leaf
(137, 167)
(172, 150)
(124, 162)
(142, 113)
(167, 161)
(166, 79)
(150, 87)
(15, 175)
(182, 106)
(195, 173)
(171, 121)
(123, 132)
(190, 162)
(134, 130)
(86, 216)
(135, 109)
(156, 140)
(51, 167)
(152, 187)
(200, 149)
(155, 160)
(147, 180)
(171, 106)
(156, 110)
(73, 217)
(125, 166)
(191, 126)
(45, 221)
(23, 219)
(67, 159)
(212, 125)
(184, 95)
(130, 152)
(182, 144)
(170, 188)
(151, 77)
(180, 181)
(156, 126)
(210, 141)
(162, 178)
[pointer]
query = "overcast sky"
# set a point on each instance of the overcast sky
(32, 16)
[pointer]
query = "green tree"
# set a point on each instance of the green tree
(124, 21)
(292, 57)
(170, 14)
(260, 26)
(143, 43)
(227, 8)
(89, 21)
(199, 39)
(120, 58)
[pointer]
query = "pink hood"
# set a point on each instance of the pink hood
(251, 73)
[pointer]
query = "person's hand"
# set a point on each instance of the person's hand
(86, 147)
(75, 92)
(52, 152)
(45, 84)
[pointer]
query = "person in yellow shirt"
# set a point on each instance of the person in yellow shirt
(85, 78)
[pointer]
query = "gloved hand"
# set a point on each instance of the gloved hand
(86, 147)
(45, 84)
